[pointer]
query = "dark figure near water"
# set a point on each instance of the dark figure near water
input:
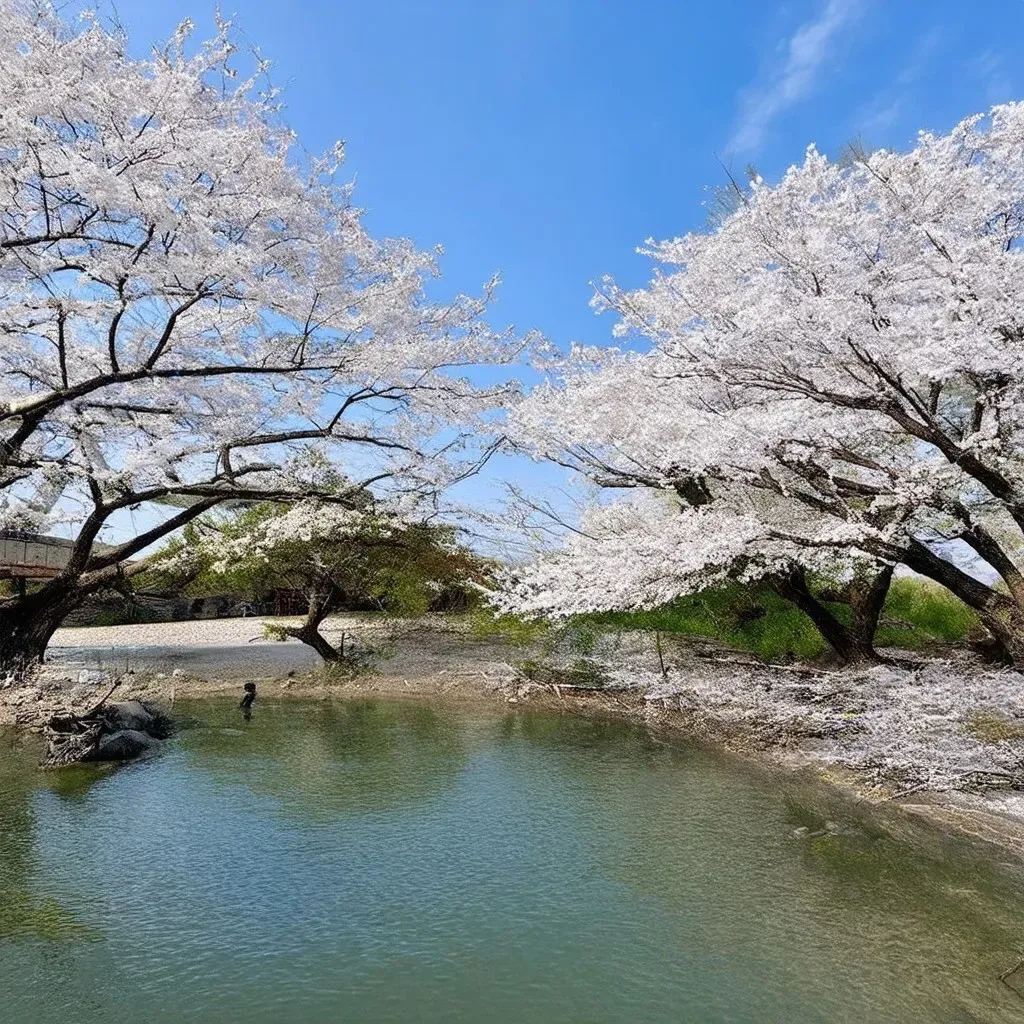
(248, 699)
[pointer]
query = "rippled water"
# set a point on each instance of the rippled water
(362, 861)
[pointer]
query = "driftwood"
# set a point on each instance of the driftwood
(800, 670)
(1008, 973)
(70, 741)
(104, 732)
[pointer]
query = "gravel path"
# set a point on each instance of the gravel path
(200, 633)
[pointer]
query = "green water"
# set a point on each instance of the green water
(365, 861)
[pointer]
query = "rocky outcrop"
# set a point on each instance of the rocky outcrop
(133, 715)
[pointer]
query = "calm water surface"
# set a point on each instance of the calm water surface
(379, 861)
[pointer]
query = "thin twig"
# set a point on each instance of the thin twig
(1007, 974)
(89, 714)
(661, 657)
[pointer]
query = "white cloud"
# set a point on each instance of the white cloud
(989, 69)
(804, 54)
(878, 117)
(890, 104)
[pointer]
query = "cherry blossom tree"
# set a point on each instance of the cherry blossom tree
(191, 312)
(839, 359)
(336, 557)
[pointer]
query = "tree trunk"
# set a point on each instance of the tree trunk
(850, 644)
(1005, 623)
(309, 634)
(868, 591)
(321, 603)
(1000, 614)
(29, 620)
(27, 623)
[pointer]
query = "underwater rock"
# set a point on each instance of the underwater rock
(122, 746)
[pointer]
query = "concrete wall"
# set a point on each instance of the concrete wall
(21, 553)
(36, 557)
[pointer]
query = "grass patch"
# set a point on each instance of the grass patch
(582, 672)
(991, 727)
(748, 618)
(917, 613)
(519, 632)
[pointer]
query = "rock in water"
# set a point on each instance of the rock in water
(130, 714)
(109, 732)
(121, 746)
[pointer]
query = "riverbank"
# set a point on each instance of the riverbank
(944, 740)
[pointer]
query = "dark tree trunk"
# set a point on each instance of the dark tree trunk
(28, 622)
(1000, 614)
(321, 603)
(868, 591)
(850, 643)
(310, 635)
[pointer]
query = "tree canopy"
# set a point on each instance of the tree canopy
(191, 309)
(833, 373)
(338, 560)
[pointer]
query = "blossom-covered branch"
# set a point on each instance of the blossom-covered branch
(845, 350)
(191, 309)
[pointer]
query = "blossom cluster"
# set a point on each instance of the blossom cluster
(188, 301)
(843, 352)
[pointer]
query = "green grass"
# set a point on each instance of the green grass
(931, 612)
(748, 618)
(917, 613)
(516, 631)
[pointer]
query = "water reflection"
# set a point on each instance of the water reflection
(326, 759)
(382, 861)
(758, 869)
(24, 913)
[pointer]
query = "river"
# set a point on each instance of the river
(405, 861)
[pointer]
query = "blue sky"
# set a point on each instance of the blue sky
(546, 139)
